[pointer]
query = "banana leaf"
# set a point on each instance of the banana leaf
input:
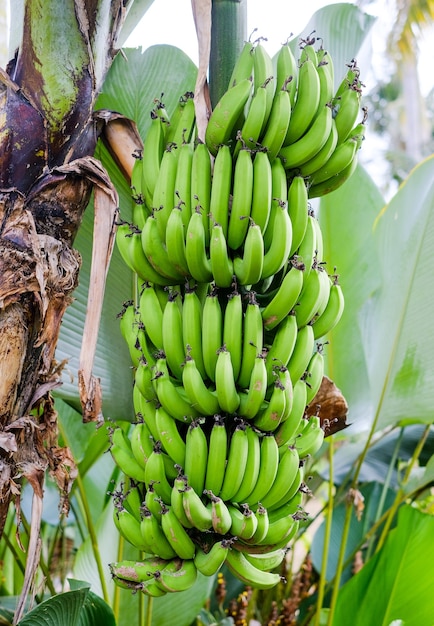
(396, 584)
(396, 321)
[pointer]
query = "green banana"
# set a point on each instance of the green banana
(141, 442)
(154, 247)
(196, 456)
(314, 375)
(279, 195)
(192, 327)
(321, 158)
(233, 329)
(145, 411)
(306, 251)
(175, 241)
(287, 71)
(176, 499)
(236, 463)
(283, 345)
(155, 473)
(196, 511)
(278, 251)
(286, 430)
(129, 528)
(217, 452)
(311, 438)
(252, 465)
(225, 115)
(173, 340)
(263, 75)
(286, 297)
(306, 104)
(179, 575)
(251, 129)
(334, 182)
(221, 263)
(212, 331)
(243, 68)
(220, 515)
(251, 402)
(122, 454)
(137, 571)
(164, 192)
(244, 521)
(198, 262)
(226, 391)
(176, 115)
(248, 573)
(248, 269)
(326, 75)
(221, 188)
(298, 210)
(268, 561)
(169, 435)
(143, 379)
(241, 199)
(287, 469)
(151, 314)
(261, 528)
(267, 470)
(169, 395)
(348, 108)
(176, 534)
(262, 190)
(302, 352)
(210, 562)
(181, 129)
(201, 397)
(182, 197)
(314, 295)
(332, 312)
(269, 418)
(252, 340)
(153, 149)
(201, 174)
(305, 148)
(277, 124)
(342, 156)
(153, 536)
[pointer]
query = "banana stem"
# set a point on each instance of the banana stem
(228, 33)
(400, 495)
(117, 591)
(385, 489)
(148, 617)
(327, 536)
(93, 537)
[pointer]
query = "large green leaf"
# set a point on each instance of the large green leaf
(132, 84)
(397, 583)
(396, 322)
(346, 218)
(64, 608)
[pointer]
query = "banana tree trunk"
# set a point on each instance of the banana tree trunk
(47, 173)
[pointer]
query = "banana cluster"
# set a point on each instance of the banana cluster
(224, 335)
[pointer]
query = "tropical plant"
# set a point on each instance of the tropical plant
(370, 517)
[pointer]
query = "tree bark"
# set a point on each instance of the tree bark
(47, 173)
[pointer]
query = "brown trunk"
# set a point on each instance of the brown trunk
(47, 174)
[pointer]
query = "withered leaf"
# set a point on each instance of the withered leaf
(331, 407)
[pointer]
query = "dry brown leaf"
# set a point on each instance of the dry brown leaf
(331, 407)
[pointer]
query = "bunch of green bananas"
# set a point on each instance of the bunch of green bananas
(223, 336)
